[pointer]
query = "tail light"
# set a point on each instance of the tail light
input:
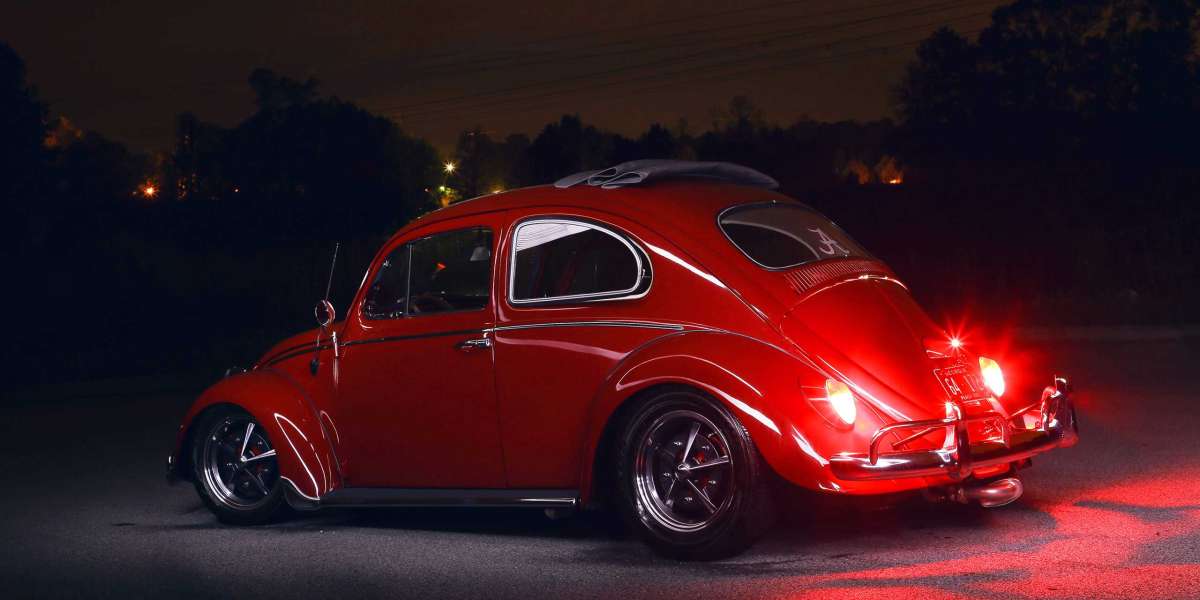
(834, 401)
(993, 377)
(841, 399)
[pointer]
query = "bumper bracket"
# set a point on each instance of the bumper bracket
(1055, 427)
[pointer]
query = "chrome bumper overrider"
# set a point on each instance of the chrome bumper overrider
(1055, 427)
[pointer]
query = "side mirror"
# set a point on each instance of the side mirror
(325, 313)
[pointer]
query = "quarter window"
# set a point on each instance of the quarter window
(562, 260)
(444, 272)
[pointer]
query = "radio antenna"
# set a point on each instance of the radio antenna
(325, 314)
(332, 266)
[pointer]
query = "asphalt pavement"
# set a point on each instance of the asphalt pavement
(84, 511)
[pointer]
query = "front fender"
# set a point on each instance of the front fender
(304, 452)
(757, 382)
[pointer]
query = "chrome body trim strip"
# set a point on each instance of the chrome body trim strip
(852, 279)
(428, 497)
(309, 348)
(633, 324)
(296, 489)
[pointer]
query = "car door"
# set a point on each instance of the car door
(416, 398)
(575, 306)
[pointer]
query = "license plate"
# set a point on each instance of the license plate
(961, 382)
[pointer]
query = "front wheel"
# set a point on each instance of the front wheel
(235, 468)
(692, 482)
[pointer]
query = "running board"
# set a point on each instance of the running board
(417, 497)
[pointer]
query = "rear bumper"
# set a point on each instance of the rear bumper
(1055, 427)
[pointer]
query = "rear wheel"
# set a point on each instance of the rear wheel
(236, 471)
(691, 480)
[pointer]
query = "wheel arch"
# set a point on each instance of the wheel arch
(181, 459)
(748, 377)
(305, 455)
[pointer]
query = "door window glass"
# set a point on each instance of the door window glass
(451, 271)
(444, 272)
(387, 296)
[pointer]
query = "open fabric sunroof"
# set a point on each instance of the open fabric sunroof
(637, 172)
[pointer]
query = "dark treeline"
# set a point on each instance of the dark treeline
(1042, 174)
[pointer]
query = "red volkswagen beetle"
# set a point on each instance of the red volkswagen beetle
(665, 337)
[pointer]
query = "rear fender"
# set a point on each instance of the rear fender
(757, 382)
(304, 453)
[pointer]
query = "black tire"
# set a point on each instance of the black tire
(234, 489)
(723, 508)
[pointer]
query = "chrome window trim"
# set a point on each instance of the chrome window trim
(641, 287)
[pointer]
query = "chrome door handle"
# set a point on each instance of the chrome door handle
(476, 344)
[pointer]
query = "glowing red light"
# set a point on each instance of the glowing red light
(993, 377)
(841, 399)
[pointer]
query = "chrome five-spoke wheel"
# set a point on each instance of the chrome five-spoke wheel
(239, 468)
(684, 471)
(690, 479)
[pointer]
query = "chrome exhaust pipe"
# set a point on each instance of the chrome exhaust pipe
(993, 493)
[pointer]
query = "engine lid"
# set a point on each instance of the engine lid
(871, 332)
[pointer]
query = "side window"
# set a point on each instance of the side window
(388, 294)
(559, 260)
(444, 272)
(450, 271)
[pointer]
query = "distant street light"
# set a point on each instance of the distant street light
(149, 191)
(449, 167)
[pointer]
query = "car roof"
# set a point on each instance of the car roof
(674, 200)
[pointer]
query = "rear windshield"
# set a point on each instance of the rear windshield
(778, 236)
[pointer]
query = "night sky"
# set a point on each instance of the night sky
(127, 69)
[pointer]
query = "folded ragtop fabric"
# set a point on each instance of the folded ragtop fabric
(641, 171)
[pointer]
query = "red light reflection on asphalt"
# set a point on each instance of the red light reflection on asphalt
(1102, 546)
(871, 593)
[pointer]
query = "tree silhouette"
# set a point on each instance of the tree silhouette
(22, 131)
(1067, 79)
(305, 167)
(482, 165)
(566, 147)
(273, 92)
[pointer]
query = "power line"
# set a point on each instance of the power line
(840, 58)
(555, 55)
(803, 62)
(844, 57)
(632, 45)
(706, 67)
(577, 35)
(672, 60)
